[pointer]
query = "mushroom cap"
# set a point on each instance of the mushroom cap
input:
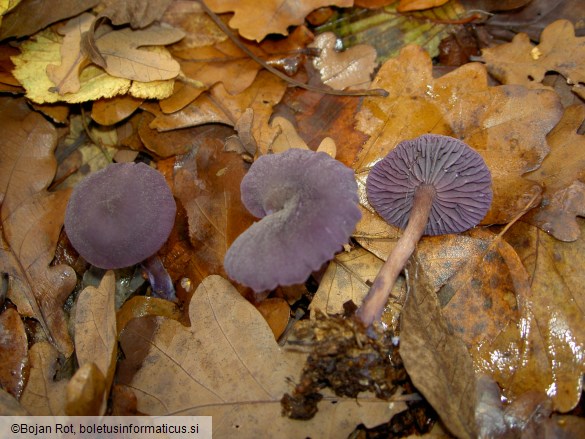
(459, 175)
(308, 203)
(120, 215)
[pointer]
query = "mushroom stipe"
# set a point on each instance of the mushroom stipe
(430, 185)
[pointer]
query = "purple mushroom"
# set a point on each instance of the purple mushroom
(430, 185)
(121, 216)
(308, 203)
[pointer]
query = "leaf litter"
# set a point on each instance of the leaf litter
(497, 311)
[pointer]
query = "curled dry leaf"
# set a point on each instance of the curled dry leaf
(43, 396)
(521, 62)
(351, 68)
(275, 16)
(228, 365)
(506, 125)
(13, 353)
(562, 175)
(32, 219)
(95, 330)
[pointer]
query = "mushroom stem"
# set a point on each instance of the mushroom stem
(158, 276)
(373, 305)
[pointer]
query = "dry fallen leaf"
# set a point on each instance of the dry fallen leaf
(96, 336)
(437, 360)
(228, 365)
(554, 311)
(346, 278)
(507, 125)
(255, 20)
(521, 62)
(208, 185)
(86, 392)
(114, 110)
(13, 353)
(31, 16)
(276, 311)
(562, 175)
(32, 219)
(138, 13)
(43, 396)
(350, 69)
(44, 49)
(65, 75)
(220, 107)
(124, 59)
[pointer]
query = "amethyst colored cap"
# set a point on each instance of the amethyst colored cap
(308, 203)
(459, 175)
(120, 215)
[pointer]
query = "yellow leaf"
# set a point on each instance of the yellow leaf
(44, 49)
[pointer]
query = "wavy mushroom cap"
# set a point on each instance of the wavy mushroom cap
(458, 174)
(308, 203)
(120, 215)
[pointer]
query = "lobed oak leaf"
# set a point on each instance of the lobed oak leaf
(32, 218)
(228, 365)
(221, 107)
(43, 396)
(254, 20)
(96, 336)
(124, 59)
(348, 69)
(521, 62)
(562, 175)
(506, 125)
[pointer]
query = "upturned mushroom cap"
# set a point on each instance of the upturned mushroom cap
(458, 174)
(308, 203)
(120, 215)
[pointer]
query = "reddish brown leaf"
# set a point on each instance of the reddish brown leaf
(208, 185)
